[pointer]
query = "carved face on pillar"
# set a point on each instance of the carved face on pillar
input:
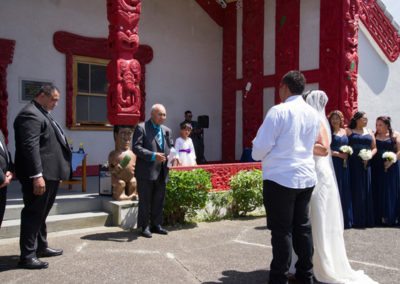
(129, 74)
(127, 41)
(131, 5)
(128, 84)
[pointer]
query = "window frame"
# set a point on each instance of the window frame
(76, 59)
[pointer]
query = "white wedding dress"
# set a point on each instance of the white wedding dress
(331, 264)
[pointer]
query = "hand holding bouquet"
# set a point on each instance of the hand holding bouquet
(347, 150)
(365, 155)
(390, 158)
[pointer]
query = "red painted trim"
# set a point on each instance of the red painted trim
(381, 29)
(269, 81)
(312, 76)
(287, 33)
(331, 31)
(229, 85)
(222, 173)
(213, 10)
(253, 67)
(6, 57)
(71, 44)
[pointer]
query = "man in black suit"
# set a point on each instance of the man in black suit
(152, 142)
(5, 174)
(42, 160)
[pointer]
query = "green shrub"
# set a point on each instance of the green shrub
(246, 191)
(218, 205)
(186, 192)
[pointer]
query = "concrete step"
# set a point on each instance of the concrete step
(69, 204)
(62, 222)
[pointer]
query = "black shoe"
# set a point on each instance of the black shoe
(146, 232)
(49, 252)
(33, 263)
(159, 230)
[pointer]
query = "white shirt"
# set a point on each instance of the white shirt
(285, 141)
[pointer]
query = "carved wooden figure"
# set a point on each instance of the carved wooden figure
(122, 163)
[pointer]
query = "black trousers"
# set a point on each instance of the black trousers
(3, 199)
(288, 219)
(33, 235)
(151, 201)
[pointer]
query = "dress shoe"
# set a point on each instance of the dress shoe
(32, 263)
(146, 232)
(159, 230)
(49, 252)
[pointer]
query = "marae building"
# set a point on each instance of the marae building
(197, 55)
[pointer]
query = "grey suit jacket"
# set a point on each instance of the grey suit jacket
(144, 145)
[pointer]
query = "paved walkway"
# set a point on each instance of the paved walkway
(221, 252)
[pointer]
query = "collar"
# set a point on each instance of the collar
(39, 106)
(292, 98)
(155, 126)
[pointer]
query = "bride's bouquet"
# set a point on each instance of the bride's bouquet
(389, 157)
(347, 150)
(365, 155)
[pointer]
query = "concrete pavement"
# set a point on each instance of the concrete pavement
(235, 251)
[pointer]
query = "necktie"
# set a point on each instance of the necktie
(159, 137)
(3, 149)
(59, 129)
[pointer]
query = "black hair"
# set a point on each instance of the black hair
(388, 122)
(295, 81)
(47, 89)
(356, 116)
(188, 111)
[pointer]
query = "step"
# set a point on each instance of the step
(69, 204)
(56, 223)
(123, 213)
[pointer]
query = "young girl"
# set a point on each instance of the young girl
(184, 146)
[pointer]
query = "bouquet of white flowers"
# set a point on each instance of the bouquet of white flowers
(347, 150)
(389, 157)
(365, 155)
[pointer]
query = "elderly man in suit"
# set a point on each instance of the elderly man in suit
(5, 174)
(42, 160)
(152, 142)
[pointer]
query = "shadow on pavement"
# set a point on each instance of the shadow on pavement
(8, 262)
(239, 277)
(119, 237)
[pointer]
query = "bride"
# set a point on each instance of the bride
(331, 264)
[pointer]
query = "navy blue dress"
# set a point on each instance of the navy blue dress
(360, 182)
(343, 181)
(385, 186)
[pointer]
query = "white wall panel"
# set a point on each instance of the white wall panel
(309, 34)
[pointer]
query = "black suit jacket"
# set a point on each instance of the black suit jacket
(144, 144)
(5, 159)
(39, 146)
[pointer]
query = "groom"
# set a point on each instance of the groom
(285, 143)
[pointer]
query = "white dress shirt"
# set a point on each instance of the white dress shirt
(285, 141)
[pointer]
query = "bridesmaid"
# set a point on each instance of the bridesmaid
(340, 163)
(386, 183)
(360, 171)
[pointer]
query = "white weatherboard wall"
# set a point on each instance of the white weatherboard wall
(378, 82)
(186, 71)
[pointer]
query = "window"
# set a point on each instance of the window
(89, 103)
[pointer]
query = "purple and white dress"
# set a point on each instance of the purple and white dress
(185, 151)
